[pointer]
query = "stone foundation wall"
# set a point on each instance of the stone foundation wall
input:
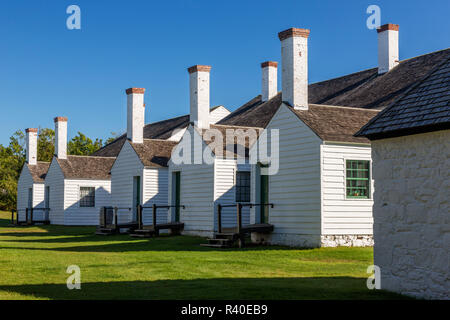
(199, 233)
(291, 240)
(347, 241)
(411, 214)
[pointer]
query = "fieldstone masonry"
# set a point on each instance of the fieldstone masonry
(411, 213)
(347, 241)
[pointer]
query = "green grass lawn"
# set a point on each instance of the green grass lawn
(33, 263)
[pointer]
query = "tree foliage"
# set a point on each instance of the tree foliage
(81, 145)
(12, 159)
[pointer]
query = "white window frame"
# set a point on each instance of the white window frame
(370, 179)
(79, 196)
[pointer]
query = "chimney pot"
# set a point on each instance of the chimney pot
(199, 95)
(135, 114)
(31, 140)
(269, 80)
(135, 90)
(293, 32)
(388, 56)
(294, 63)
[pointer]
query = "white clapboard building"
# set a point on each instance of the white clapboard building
(200, 177)
(411, 168)
(76, 186)
(139, 175)
(30, 187)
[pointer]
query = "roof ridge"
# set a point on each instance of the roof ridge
(164, 140)
(343, 107)
(82, 156)
(231, 125)
(411, 88)
(374, 68)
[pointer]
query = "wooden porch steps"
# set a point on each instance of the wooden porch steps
(105, 231)
(150, 231)
(230, 237)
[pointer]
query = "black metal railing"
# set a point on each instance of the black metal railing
(154, 208)
(115, 219)
(29, 215)
(239, 207)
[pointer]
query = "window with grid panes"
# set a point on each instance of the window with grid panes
(358, 179)
(87, 197)
(242, 186)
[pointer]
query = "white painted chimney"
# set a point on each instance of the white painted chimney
(294, 63)
(199, 95)
(269, 80)
(31, 146)
(61, 137)
(387, 47)
(135, 114)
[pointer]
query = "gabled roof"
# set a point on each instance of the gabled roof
(154, 153)
(364, 89)
(38, 171)
(86, 167)
(157, 130)
(334, 123)
(254, 113)
(232, 151)
(425, 107)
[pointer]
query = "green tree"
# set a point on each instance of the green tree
(46, 144)
(12, 159)
(114, 136)
(83, 146)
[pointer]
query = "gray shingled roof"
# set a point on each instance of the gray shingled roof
(364, 89)
(334, 123)
(157, 130)
(38, 171)
(153, 152)
(86, 167)
(425, 107)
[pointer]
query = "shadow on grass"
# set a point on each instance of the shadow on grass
(341, 288)
(124, 243)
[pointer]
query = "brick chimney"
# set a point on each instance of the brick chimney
(135, 114)
(61, 137)
(387, 47)
(294, 63)
(269, 80)
(199, 95)
(31, 146)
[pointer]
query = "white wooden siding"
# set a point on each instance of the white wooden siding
(340, 215)
(23, 185)
(55, 180)
(76, 215)
(155, 191)
(197, 193)
(225, 191)
(218, 114)
(295, 189)
(126, 166)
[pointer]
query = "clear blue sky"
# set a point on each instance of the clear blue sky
(47, 70)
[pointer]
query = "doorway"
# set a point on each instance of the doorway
(136, 195)
(264, 198)
(176, 193)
